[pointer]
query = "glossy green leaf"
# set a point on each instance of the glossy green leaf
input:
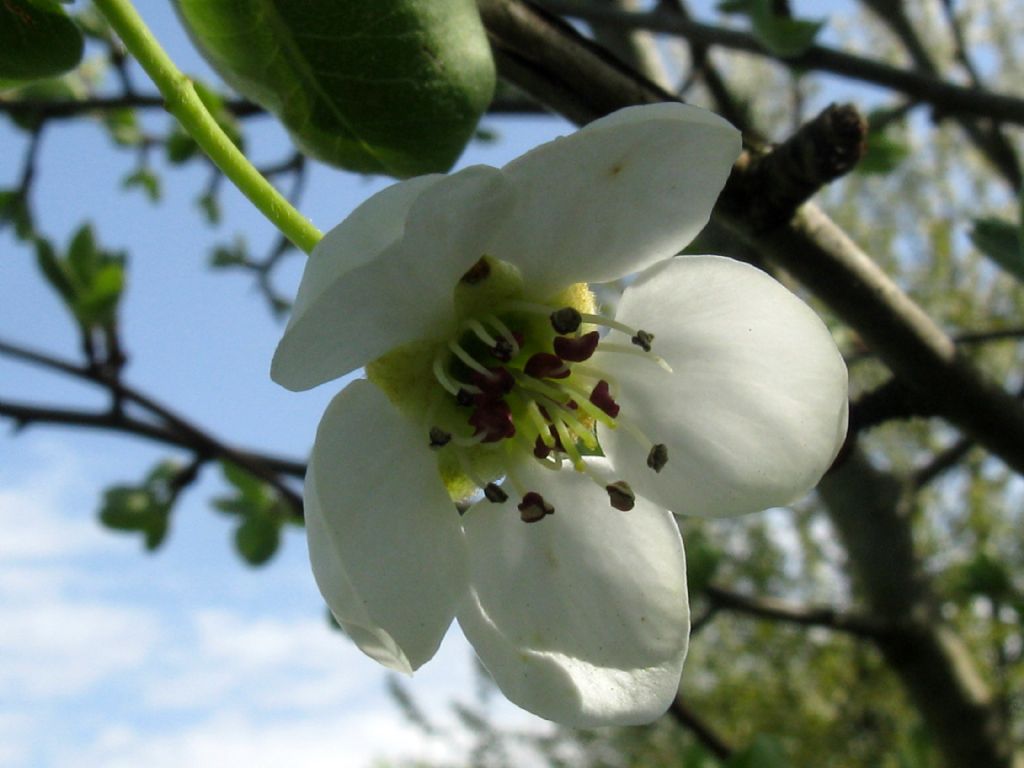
(37, 40)
(393, 86)
(1000, 240)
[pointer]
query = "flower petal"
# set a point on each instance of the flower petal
(384, 538)
(618, 195)
(402, 293)
(756, 408)
(582, 617)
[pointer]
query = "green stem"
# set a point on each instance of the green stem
(182, 101)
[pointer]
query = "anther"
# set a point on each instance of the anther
(566, 320)
(494, 494)
(464, 397)
(534, 508)
(477, 273)
(503, 350)
(541, 450)
(576, 349)
(544, 365)
(621, 495)
(643, 340)
(439, 438)
(658, 457)
(603, 399)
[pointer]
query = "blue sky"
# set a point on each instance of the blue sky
(112, 657)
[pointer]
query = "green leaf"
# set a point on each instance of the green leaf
(14, 211)
(123, 127)
(143, 509)
(88, 279)
(37, 40)
(257, 539)
(1001, 241)
(882, 154)
(780, 34)
(210, 207)
(54, 271)
(180, 147)
(145, 180)
(229, 255)
(393, 86)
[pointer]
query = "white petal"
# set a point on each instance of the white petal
(384, 538)
(360, 238)
(756, 408)
(582, 617)
(405, 291)
(618, 195)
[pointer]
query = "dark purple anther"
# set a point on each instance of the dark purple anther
(603, 399)
(493, 420)
(495, 386)
(576, 349)
(544, 365)
(534, 508)
(541, 449)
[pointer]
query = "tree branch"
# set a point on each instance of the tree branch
(947, 98)
(864, 626)
(176, 430)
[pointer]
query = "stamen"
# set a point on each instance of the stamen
(658, 457)
(503, 329)
(544, 365)
(477, 327)
(568, 444)
(608, 322)
(533, 508)
(587, 405)
(566, 320)
(439, 438)
(643, 340)
(495, 494)
(576, 349)
(454, 386)
(465, 357)
(625, 350)
(534, 414)
(602, 398)
(621, 495)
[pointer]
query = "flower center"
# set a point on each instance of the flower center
(517, 383)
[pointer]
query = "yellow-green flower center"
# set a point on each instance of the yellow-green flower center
(512, 383)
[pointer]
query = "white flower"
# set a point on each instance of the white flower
(455, 293)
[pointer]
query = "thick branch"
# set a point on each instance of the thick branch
(945, 97)
(937, 670)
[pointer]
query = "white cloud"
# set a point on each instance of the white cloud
(31, 516)
(59, 649)
(238, 741)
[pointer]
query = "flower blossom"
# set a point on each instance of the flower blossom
(515, 455)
